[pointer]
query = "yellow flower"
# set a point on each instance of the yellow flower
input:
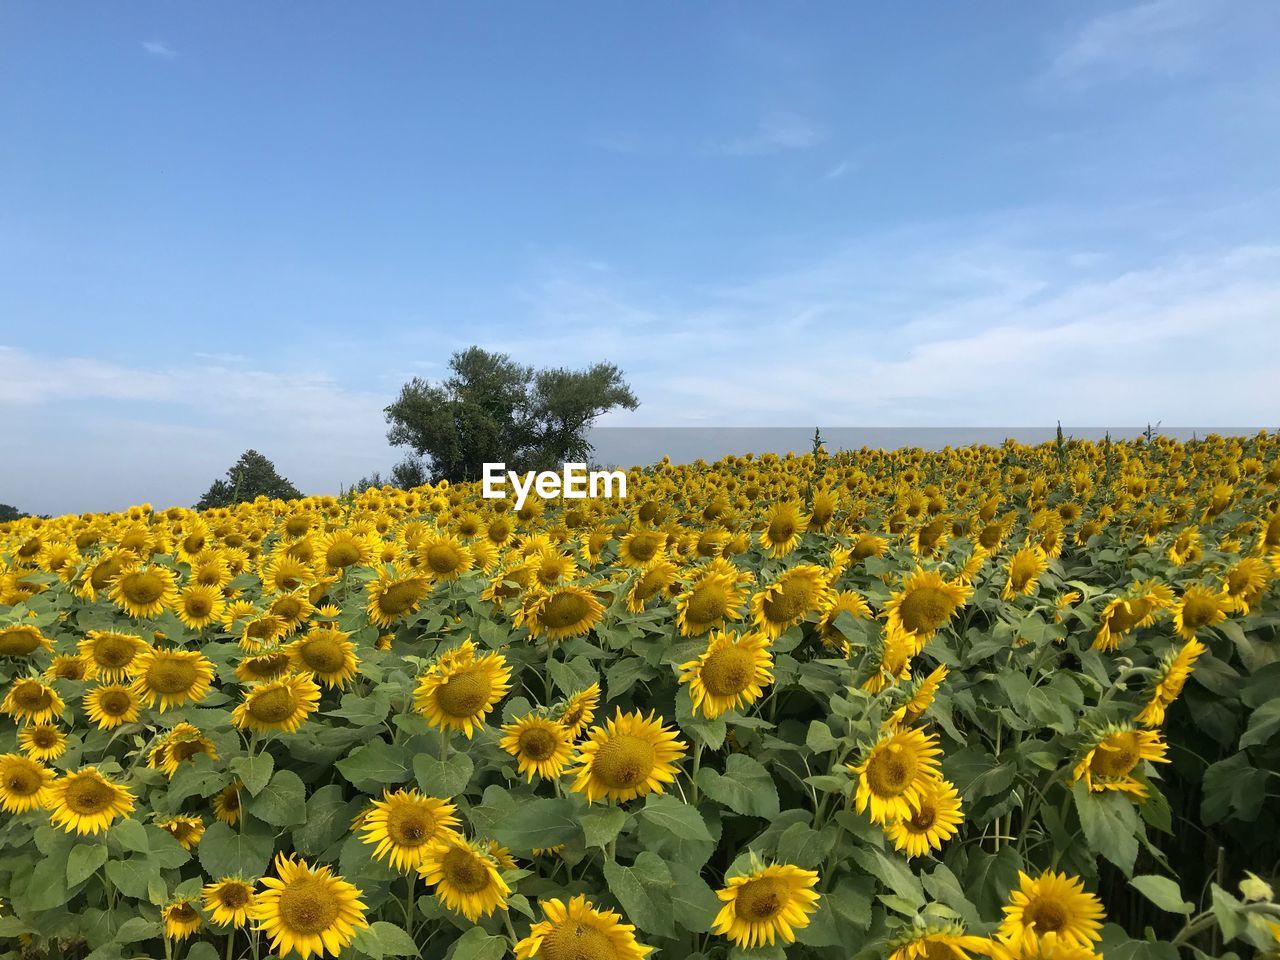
(934, 820)
(30, 701)
(580, 710)
(110, 705)
(466, 879)
(767, 904)
(1052, 903)
(229, 901)
(108, 654)
(461, 689)
(1111, 760)
(716, 595)
(1197, 608)
(444, 557)
(541, 746)
(579, 930)
(924, 604)
(185, 829)
(402, 826)
(170, 678)
(641, 547)
(146, 591)
(1140, 608)
(24, 783)
(798, 591)
(22, 640)
(1025, 567)
(326, 654)
(198, 606)
(651, 580)
(919, 701)
(282, 704)
(307, 909)
(1028, 946)
(895, 773)
(628, 757)
(559, 613)
(730, 673)
(181, 919)
(184, 742)
(784, 524)
(1173, 677)
(42, 741)
(394, 597)
(937, 942)
(87, 802)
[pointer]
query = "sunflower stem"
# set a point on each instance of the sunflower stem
(444, 743)
(409, 904)
(511, 930)
(231, 942)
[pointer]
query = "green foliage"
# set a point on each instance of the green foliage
(250, 477)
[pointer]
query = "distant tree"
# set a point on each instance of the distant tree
(8, 513)
(252, 476)
(492, 409)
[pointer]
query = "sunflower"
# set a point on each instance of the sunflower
(293, 609)
(344, 548)
(30, 701)
(466, 878)
(87, 802)
(145, 592)
(894, 665)
(1025, 567)
(641, 547)
(170, 678)
(924, 604)
(66, 666)
(541, 746)
(22, 640)
(1140, 608)
(282, 704)
(285, 573)
(184, 742)
(444, 557)
(24, 783)
(307, 909)
(226, 804)
(769, 903)
(267, 664)
(628, 757)
(1185, 548)
(1113, 756)
(798, 591)
(1174, 672)
(650, 581)
(1052, 903)
(111, 705)
(187, 830)
(937, 941)
(919, 700)
(846, 601)
(867, 545)
(459, 690)
(42, 741)
(895, 773)
(402, 825)
(229, 901)
(784, 524)
(326, 654)
(1031, 947)
(730, 673)
(1197, 608)
(198, 606)
(578, 930)
(934, 820)
(109, 655)
(1244, 583)
(393, 597)
(580, 709)
(559, 613)
(181, 919)
(717, 594)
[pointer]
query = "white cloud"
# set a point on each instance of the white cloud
(775, 133)
(838, 170)
(158, 48)
(1155, 37)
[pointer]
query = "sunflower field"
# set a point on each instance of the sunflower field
(1018, 702)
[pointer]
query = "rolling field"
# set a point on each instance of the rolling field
(1012, 701)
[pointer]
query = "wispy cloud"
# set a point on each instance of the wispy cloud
(776, 133)
(1154, 37)
(838, 170)
(158, 48)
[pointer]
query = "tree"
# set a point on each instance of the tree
(8, 513)
(492, 409)
(252, 476)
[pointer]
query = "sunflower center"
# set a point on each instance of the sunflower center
(113, 652)
(564, 610)
(1198, 612)
(538, 744)
(709, 603)
(891, 770)
(410, 826)
(323, 655)
(115, 703)
(19, 642)
(183, 913)
(795, 597)
(577, 941)
(442, 558)
(781, 530)
(23, 781)
(88, 795)
(925, 609)
(464, 694)
(105, 572)
(272, 706)
(143, 588)
(624, 761)
(31, 697)
(342, 555)
(648, 585)
(308, 907)
(465, 871)
(233, 896)
(644, 547)
(186, 749)
(1116, 756)
(1048, 915)
(44, 737)
(924, 818)
(728, 672)
(198, 605)
(172, 675)
(399, 597)
(760, 900)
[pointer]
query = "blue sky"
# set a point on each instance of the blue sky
(241, 225)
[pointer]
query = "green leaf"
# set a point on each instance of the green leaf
(819, 738)
(1264, 723)
(133, 877)
(84, 861)
(225, 852)
(374, 765)
(1233, 786)
(137, 928)
(644, 890)
(745, 786)
(254, 772)
(694, 902)
(1110, 825)
(476, 944)
(283, 802)
(539, 824)
(600, 824)
(326, 821)
(382, 939)
(130, 836)
(676, 818)
(893, 872)
(443, 778)
(1163, 892)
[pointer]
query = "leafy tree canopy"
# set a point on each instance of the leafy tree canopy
(252, 476)
(492, 409)
(8, 512)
